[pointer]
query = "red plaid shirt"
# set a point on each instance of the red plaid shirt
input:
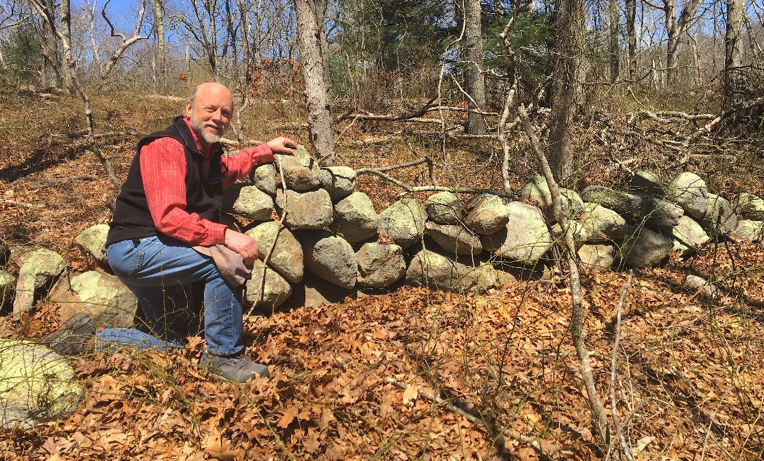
(163, 169)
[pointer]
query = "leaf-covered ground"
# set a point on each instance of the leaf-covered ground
(407, 374)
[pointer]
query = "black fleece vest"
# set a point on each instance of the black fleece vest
(204, 193)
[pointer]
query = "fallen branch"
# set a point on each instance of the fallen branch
(411, 116)
(726, 113)
(613, 401)
(25, 205)
(50, 182)
(541, 446)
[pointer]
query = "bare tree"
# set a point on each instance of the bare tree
(204, 30)
(566, 85)
(161, 71)
(312, 44)
(614, 31)
(631, 34)
(473, 51)
(733, 51)
(675, 27)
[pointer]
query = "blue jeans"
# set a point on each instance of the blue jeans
(160, 271)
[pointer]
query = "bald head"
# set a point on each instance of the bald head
(209, 109)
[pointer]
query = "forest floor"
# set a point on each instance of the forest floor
(410, 373)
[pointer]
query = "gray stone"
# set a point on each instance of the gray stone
(330, 257)
(751, 206)
(701, 285)
(598, 256)
(444, 208)
(275, 291)
(645, 182)
(7, 288)
(536, 191)
(107, 300)
(339, 181)
(36, 385)
(689, 191)
(753, 231)
(644, 247)
(688, 236)
(92, 242)
(431, 269)
(306, 210)
(380, 265)
(489, 215)
(620, 202)
(403, 222)
(254, 204)
(524, 239)
(301, 170)
(455, 240)
(39, 267)
(264, 178)
(598, 224)
(354, 218)
(720, 218)
(655, 212)
(287, 256)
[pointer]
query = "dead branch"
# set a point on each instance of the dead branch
(50, 182)
(21, 204)
(613, 401)
(462, 109)
(541, 446)
(747, 105)
(411, 116)
(576, 318)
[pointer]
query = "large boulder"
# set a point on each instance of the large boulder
(264, 178)
(753, 231)
(403, 222)
(536, 191)
(330, 257)
(276, 289)
(644, 247)
(7, 288)
(107, 300)
(688, 235)
(489, 215)
(251, 203)
(354, 218)
(380, 264)
(454, 239)
(751, 206)
(655, 212)
(598, 224)
(431, 269)
(620, 202)
(36, 385)
(306, 210)
(39, 268)
(92, 243)
(599, 256)
(444, 208)
(525, 238)
(339, 181)
(287, 256)
(645, 182)
(720, 218)
(301, 170)
(690, 192)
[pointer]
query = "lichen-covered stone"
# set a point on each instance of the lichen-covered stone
(330, 257)
(107, 300)
(39, 269)
(287, 256)
(380, 265)
(275, 291)
(354, 218)
(92, 242)
(455, 240)
(306, 210)
(525, 238)
(444, 208)
(489, 215)
(403, 221)
(339, 181)
(598, 224)
(690, 192)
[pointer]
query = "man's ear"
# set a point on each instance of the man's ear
(188, 109)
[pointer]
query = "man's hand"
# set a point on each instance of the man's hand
(242, 244)
(282, 145)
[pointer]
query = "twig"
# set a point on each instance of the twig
(613, 402)
(50, 182)
(412, 116)
(25, 205)
(541, 446)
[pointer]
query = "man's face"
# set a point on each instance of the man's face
(210, 113)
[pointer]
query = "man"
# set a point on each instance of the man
(170, 203)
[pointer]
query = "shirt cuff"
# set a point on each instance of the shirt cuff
(216, 234)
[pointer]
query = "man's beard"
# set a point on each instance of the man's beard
(199, 128)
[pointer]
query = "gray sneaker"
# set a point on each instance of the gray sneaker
(234, 368)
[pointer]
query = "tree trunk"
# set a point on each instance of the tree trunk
(65, 32)
(161, 71)
(675, 27)
(473, 51)
(49, 50)
(631, 31)
(310, 35)
(733, 54)
(566, 84)
(613, 31)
